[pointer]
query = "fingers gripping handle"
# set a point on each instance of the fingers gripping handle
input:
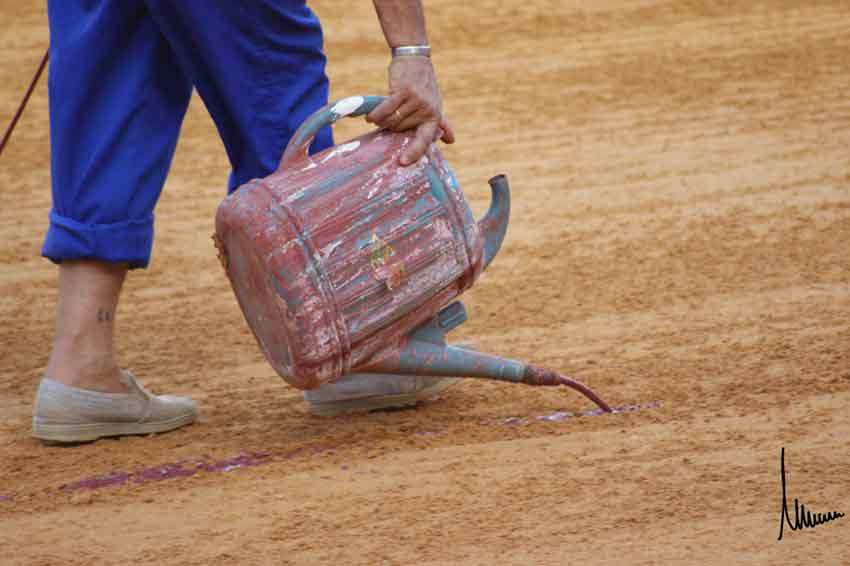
(352, 106)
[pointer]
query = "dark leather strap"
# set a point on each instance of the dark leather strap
(23, 104)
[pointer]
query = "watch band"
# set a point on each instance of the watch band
(409, 50)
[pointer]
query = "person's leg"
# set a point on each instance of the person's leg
(259, 67)
(116, 103)
(83, 352)
(117, 100)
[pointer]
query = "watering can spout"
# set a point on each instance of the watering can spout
(494, 225)
(425, 352)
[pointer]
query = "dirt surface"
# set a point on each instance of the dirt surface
(679, 239)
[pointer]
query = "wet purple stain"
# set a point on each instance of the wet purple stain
(241, 461)
(180, 469)
(557, 416)
(560, 416)
(160, 473)
(564, 415)
(4, 498)
(427, 433)
(597, 412)
(97, 482)
(292, 454)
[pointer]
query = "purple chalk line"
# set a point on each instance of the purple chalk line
(186, 468)
(190, 467)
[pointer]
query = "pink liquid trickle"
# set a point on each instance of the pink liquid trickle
(560, 416)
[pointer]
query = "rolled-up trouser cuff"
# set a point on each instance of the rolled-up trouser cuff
(130, 241)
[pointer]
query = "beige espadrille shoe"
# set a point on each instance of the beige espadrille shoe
(68, 414)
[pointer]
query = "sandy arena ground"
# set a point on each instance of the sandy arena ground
(681, 182)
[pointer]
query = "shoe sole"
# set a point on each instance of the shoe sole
(71, 433)
(367, 404)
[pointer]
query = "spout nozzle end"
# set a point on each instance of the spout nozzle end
(535, 375)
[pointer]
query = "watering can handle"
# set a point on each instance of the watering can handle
(302, 138)
(494, 224)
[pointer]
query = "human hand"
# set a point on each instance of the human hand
(413, 102)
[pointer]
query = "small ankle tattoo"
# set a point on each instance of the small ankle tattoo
(104, 315)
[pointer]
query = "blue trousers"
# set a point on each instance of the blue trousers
(120, 79)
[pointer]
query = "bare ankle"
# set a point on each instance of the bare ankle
(94, 373)
(83, 348)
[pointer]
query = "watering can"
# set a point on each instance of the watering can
(346, 262)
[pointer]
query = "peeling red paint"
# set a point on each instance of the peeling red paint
(336, 256)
